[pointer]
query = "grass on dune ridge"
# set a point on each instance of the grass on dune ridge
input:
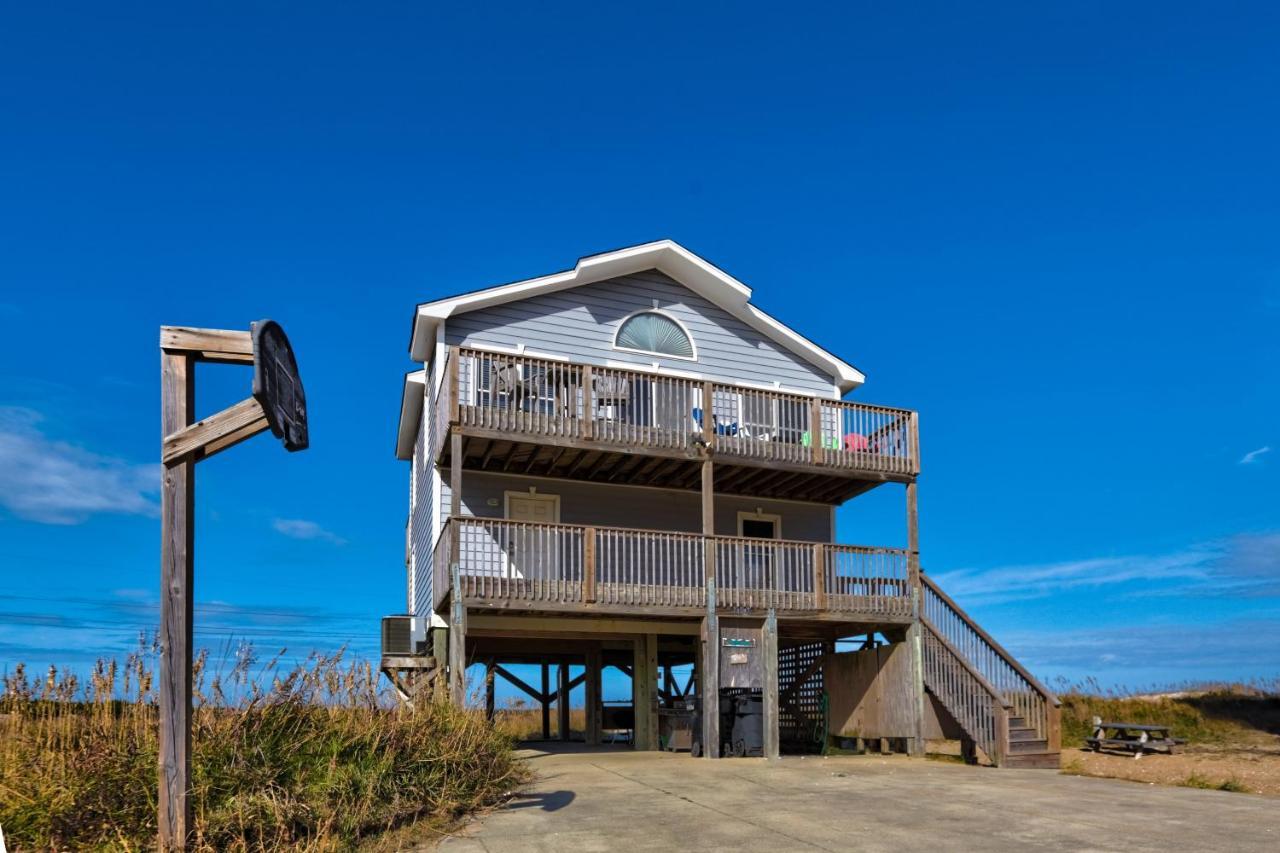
(1203, 714)
(314, 757)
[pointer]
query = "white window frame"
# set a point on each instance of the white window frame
(758, 515)
(683, 328)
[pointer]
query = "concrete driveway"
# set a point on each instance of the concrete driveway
(619, 800)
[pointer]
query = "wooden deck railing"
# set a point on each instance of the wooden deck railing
(1017, 687)
(564, 564)
(542, 398)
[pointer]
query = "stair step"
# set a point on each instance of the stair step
(1033, 761)
(1017, 722)
(1022, 734)
(1027, 747)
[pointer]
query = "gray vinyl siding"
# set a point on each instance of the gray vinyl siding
(580, 324)
(420, 527)
(625, 506)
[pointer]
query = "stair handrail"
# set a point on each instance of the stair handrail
(986, 723)
(979, 677)
(1000, 650)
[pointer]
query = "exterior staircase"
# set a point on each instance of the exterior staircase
(1004, 712)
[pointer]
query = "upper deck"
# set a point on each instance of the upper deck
(553, 417)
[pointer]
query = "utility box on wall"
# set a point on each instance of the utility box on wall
(741, 658)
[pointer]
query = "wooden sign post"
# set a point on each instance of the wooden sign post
(278, 404)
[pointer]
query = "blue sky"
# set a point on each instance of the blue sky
(1053, 231)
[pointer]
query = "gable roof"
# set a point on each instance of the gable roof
(667, 256)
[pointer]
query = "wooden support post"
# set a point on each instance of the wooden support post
(643, 680)
(769, 650)
(819, 576)
(915, 639)
(455, 477)
(458, 642)
(546, 702)
(708, 414)
(815, 429)
(913, 536)
(710, 680)
(1002, 732)
(177, 412)
(708, 498)
(710, 675)
(593, 695)
(589, 565)
(588, 403)
(488, 690)
(562, 700)
(915, 648)
(455, 392)
(440, 647)
(651, 667)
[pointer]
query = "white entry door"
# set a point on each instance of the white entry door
(532, 552)
(527, 506)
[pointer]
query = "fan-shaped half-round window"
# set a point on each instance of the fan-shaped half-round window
(650, 331)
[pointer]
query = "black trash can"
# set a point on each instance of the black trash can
(727, 705)
(748, 725)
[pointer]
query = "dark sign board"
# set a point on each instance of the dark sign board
(277, 386)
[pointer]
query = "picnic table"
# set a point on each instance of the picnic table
(1137, 738)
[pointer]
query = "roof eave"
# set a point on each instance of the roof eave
(411, 404)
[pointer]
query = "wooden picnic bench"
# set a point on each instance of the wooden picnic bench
(1134, 737)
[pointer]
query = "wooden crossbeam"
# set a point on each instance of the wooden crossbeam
(518, 682)
(555, 460)
(220, 346)
(579, 460)
(215, 433)
(533, 459)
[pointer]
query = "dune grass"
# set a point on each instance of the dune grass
(523, 723)
(1209, 714)
(316, 757)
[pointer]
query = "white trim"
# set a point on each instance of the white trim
(412, 403)
(669, 258)
(757, 515)
(656, 310)
(518, 349)
(437, 363)
(653, 368)
(532, 493)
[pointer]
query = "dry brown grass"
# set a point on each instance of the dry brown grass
(313, 758)
(526, 723)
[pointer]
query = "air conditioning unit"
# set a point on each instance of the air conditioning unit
(397, 635)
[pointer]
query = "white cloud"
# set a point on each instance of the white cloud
(1254, 455)
(1244, 566)
(1018, 583)
(297, 528)
(1136, 649)
(53, 482)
